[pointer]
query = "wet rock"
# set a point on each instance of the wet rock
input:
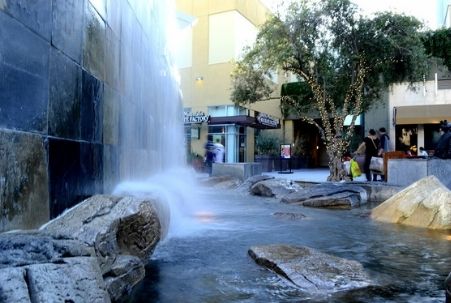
(289, 216)
(112, 226)
(75, 279)
(274, 188)
(249, 182)
(314, 272)
(26, 248)
(13, 287)
(94, 251)
(123, 232)
(329, 195)
(426, 203)
(224, 182)
(125, 273)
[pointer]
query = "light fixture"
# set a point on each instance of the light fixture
(199, 78)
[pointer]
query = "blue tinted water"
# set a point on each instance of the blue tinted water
(211, 264)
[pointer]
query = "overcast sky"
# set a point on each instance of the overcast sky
(424, 10)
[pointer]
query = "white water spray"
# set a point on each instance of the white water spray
(151, 138)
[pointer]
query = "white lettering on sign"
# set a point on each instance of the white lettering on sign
(197, 117)
(267, 120)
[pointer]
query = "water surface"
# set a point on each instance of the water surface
(208, 262)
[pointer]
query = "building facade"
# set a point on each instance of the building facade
(212, 36)
(415, 115)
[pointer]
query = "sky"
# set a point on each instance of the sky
(424, 10)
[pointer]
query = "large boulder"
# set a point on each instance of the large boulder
(329, 195)
(274, 188)
(314, 272)
(39, 268)
(425, 203)
(112, 226)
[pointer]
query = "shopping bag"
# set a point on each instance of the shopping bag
(377, 164)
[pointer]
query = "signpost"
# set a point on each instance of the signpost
(285, 155)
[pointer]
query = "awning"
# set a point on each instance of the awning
(422, 114)
(242, 120)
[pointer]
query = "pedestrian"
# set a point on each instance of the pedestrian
(372, 146)
(219, 151)
(423, 153)
(384, 147)
(209, 155)
(384, 141)
(443, 149)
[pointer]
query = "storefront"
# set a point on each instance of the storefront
(236, 133)
(418, 126)
(231, 126)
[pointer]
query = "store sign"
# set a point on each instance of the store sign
(267, 120)
(197, 117)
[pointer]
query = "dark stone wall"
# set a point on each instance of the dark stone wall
(65, 73)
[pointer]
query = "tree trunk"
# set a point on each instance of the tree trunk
(337, 172)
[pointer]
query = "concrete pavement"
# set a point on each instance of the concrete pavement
(306, 175)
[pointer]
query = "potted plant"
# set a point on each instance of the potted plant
(267, 149)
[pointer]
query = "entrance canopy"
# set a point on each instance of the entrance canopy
(244, 120)
(422, 114)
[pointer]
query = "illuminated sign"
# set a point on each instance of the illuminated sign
(197, 117)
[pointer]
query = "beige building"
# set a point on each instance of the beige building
(415, 115)
(213, 34)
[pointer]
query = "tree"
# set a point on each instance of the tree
(343, 61)
(438, 44)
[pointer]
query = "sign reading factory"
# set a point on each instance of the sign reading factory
(197, 117)
(267, 120)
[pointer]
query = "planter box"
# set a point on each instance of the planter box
(267, 162)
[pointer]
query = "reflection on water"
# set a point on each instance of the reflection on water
(211, 263)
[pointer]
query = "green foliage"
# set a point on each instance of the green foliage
(343, 60)
(267, 144)
(438, 44)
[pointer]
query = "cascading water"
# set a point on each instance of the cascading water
(151, 137)
(151, 130)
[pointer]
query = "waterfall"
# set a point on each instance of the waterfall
(151, 129)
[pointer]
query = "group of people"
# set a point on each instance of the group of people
(214, 153)
(374, 145)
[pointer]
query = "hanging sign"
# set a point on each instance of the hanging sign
(267, 120)
(197, 117)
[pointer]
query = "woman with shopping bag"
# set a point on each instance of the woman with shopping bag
(372, 146)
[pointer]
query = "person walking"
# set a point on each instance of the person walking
(219, 151)
(209, 155)
(372, 146)
(384, 140)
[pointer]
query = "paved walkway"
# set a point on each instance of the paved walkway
(307, 174)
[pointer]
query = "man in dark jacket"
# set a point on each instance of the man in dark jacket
(443, 149)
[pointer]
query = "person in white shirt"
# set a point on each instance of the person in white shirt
(423, 153)
(219, 151)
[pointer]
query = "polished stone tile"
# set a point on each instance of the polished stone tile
(75, 173)
(91, 109)
(21, 48)
(23, 181)
(23, 100)
(112, 60)
(65, 96)
(111, 106)
(94, 41)
(35, 14)
(67, 29)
